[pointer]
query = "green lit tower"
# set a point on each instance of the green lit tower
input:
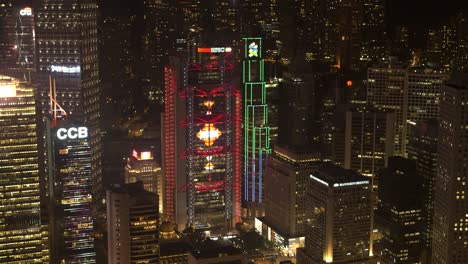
(256, 130)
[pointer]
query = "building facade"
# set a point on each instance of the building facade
(450, 233)
(133, 222)
(340, 217)
(210, 137)
(21, 237)
(70, 185)
(142, 166)
(256, 129)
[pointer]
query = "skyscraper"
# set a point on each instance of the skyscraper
(70, 184)
(285, 209)
(256, 129)
(339, 212)
(209, 134)
(386, 91)
(142, 166)
(21, 239)
(422, 148)
(66, 43)
(400, 213)
(17, 47)
(132, 219)
(368, 142)
(450, 230)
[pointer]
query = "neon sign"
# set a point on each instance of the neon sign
(143, 155)
(209, 134)
(214, 50)
(26, 11)
(65, 69)
(72, 133)
(253, 50)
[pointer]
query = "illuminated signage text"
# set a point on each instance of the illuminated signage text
(72, 133)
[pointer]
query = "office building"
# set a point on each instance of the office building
(142, 166)
(285, 211)
(132, 220)
(256, 129)
(70, 185)
(297, 111)
(339, 212)
(399, 216)
(17, 47)
(172, 248)
(423, 88)
(21, 237)
(173, 144)
(386, 92)
(211, 252)
(209, 133)
(368, 141)
(422, 148)
(450, 230)
(67, 51)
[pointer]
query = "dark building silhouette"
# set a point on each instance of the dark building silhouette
(399, 216)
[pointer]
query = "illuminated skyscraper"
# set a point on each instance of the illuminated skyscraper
(450, 230)
(386, 90)
(142, 167)
(256, 129)
(213, 140)
(17, 47)
(339, 212)
(21, 240)
(66, 42)
(132, 219)
(70, 184)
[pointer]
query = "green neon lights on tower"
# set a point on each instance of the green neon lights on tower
(256, 129)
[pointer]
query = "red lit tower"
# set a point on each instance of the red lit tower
(210, 132)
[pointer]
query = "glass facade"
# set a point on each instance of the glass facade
(72, 220)
(20, 221)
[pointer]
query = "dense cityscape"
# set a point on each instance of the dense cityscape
(233, 131)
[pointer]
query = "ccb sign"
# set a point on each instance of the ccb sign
(72, 133)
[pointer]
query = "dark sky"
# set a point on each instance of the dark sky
(419, 13)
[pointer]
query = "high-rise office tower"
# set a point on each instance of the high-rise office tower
(349, 27)
(17, 48)
(21, 239)
(339, 212)
(423, 88)
(450, 230)
(256, 129)
(368, 142)
(422, 148)
(66, 43)
(386, 91)
(209, 132)
(132, 219)
(142, 166)
(70, 185)
(399, 216)
(296, 127)
(373, 46)
(285, 211)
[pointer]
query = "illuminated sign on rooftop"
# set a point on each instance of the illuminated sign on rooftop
(253, 50)
(72, 133)
(214, 50)
(27, 11)
(65, 69)
(7, 90)
(143, 155)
